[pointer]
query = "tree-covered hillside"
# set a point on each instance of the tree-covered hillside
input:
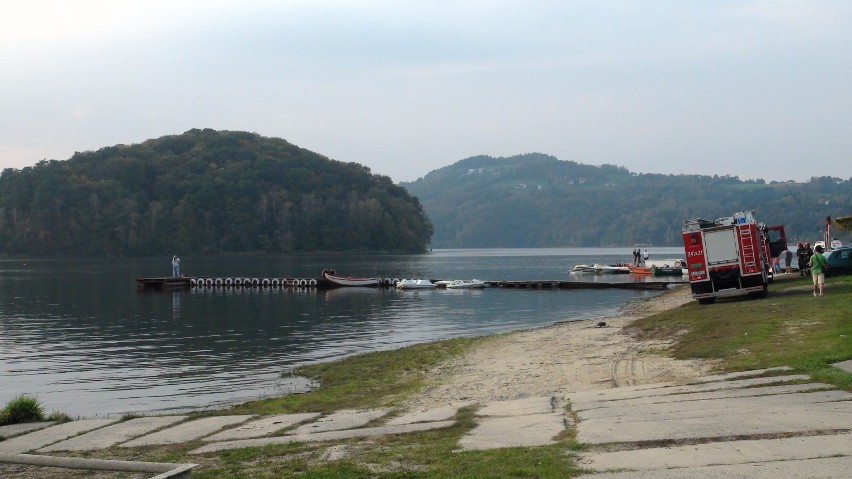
(536, 200)
(204, 192)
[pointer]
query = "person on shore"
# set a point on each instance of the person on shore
(818, 265)
(175, 266)
(788, 260)
(808, 253)
(800, 257)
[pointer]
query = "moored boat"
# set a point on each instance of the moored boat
(640, 270)
(460, 284)
(415, 284)
(611, 269)
(667, 271)
(583, 268)
(347, 281)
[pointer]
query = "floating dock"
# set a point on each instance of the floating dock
(550, 284)
(172, 283)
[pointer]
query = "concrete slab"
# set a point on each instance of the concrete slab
(824, 468)
(718, 422)
(50, 435)
(114, 434)
(13, 430)
(844, 365)
(637, 410)
(188, 431)
(442, 413)
(514, 431)
(322, 436)
(261, 427)
(693, 381)
(590, 399)
(343, 419)
(520, 407)
(719, 453)
(740, 374)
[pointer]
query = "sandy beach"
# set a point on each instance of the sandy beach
(561, 358)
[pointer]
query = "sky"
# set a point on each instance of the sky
(755, 89)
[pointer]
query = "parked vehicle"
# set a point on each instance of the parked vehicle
(839, 261)
(730, 256)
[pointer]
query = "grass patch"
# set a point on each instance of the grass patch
(790, 327)
(23, 408)
(363, 381)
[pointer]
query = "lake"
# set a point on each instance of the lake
(79, 336)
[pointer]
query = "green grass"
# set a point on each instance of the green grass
(23, 408)
(790, 327)
(363, 381)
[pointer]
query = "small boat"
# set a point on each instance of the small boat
(346, 281)
(667, 271)
(414, 284)
(461, 284)
(611, 269)
(640, 270)
(583, 268)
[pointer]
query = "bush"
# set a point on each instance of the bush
(23, 408)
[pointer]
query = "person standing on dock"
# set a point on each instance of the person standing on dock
(645, 257)
(175, 266)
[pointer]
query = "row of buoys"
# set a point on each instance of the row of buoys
(390, 282)
(255, 282)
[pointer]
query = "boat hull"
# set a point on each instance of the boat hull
(461, 284)
(346, 281)
(415, 284)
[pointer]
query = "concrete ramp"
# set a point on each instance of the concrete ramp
(721, 427)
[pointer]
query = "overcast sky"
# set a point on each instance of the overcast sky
(757, 89)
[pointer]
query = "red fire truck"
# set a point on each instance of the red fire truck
(730, 256)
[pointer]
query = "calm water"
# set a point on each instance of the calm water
(78, 335)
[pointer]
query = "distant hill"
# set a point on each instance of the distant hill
(536, 200)
(204, 192)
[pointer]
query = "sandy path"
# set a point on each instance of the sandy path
(572, 356)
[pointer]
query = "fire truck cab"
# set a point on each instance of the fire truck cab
(730, 256)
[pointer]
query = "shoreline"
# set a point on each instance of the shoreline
(563, 357)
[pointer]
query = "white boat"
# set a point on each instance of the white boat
(583, 268)
(460, 284)
(607, 269)
(664, 263)
(414, 284)
(346, 281)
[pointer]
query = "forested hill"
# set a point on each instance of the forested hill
(536, 200)
(204, 192)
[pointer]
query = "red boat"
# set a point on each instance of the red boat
(640, 270)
